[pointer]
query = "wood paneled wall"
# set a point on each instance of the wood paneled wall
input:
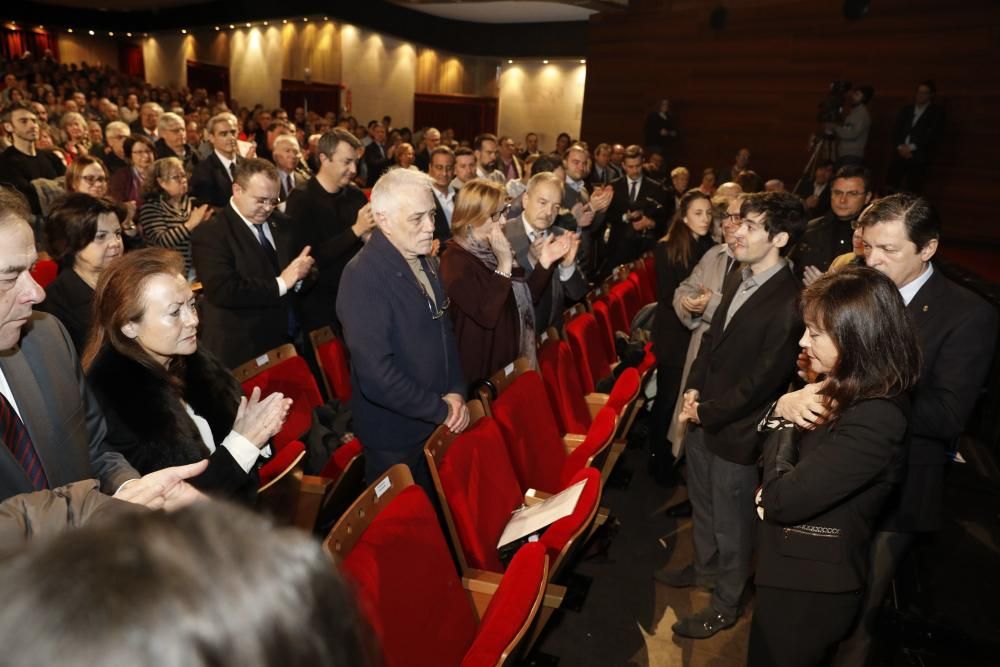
(757, 82)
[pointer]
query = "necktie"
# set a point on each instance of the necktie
(284, 187)
(19, 442)
(632, 191)
(272, 255)
(232, 170)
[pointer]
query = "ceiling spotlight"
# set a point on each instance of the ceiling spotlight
(217, 28)
(231, 26)
(510, 62)
(545, 62)
(145, 34)
(69, 30)
(128, 34)
(248, 24)
(265, 22)
(583, 62)
(90, 32)
(305, 19)
(111, 34)
(326, 18)
(184, 31)
(41, 27)
(284, 21)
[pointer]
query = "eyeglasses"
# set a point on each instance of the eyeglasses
(92, 180)
(265, 201)
(733, 218)
(176, 178)
(848, 193)
(502, 213)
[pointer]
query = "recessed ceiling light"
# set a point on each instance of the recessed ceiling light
(111, 34)
(90, 32)
(510, 62)
(184, 31)
(284, 21)
(231, 26)
(265, 22)
(128, 34)
(583, 62)
(248, 24)
(545, 62)
(305, 19)
(69, 30)
(217, 28)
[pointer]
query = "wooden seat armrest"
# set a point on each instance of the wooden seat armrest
(595, 402)
(481, 581)
(534, 497)
(315, 485)
(573, 440)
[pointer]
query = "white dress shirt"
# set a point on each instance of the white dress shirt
(225, 163)
(241, 449)
(447, 201)
(910, 289)
(565, 272)
(282, 287)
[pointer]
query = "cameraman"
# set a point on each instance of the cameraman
(637, 215)
(852, 133)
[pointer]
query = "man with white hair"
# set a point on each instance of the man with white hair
(432, 139)
(287, 157)
(173, 141)
(112, 152)
(405, 367)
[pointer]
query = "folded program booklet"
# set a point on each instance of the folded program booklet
(529, 520)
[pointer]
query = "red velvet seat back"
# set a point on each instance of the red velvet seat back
(292, 378)
(562, 381)
(280, 462)
(625, 390)
(616, 305)
(628, 294)
(650, 264)
(584, 339)
(530, 431)
(641, 287)
(408, 588)
(576, 336)
(342, 456)
(44, 272)
(333, 357)
(602, 314)
(481, 490)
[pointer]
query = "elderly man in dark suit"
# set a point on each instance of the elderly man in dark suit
(957, 332)
(746, 360)
(528, 231)
(51, 427)
(250, 263)
(914, 135)
(405, 367)
(212, 180)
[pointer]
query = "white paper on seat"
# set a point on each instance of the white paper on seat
(528, 520)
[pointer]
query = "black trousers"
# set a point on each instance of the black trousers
(668, 385)
(798, 628)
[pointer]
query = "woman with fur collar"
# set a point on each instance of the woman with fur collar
(166, 402)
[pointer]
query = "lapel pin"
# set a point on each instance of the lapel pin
(925, 308)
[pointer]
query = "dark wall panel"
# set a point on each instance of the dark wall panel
(757, 82)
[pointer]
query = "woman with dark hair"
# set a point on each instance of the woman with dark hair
(676, 255)
(126, 184)
(168, 214)
(83, 235)
(166, 401)
(492, 302)
(250, 594)
(830, 466)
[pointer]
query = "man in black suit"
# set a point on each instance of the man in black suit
(376, 158)
(601, 173)
(173, 141)
(829, 236)
(442, 171)
(293, 174)
(957, 332)
(332, 216)
(52, 432)
(816, 193)
(528, 231)
(212, 180)
(148, 122)
(914, 135)
(432, 139)
(638, 215)
(239, 254)
(746, 360)
(588, 207)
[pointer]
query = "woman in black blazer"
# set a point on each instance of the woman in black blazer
(833, 454)
(166, 401)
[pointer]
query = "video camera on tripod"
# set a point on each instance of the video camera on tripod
(823, 144)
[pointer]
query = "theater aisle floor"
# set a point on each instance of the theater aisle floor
(951, 614)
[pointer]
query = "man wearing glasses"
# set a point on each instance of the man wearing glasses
(251, 267)
(405, 367)
(829, 236)
(173, 141)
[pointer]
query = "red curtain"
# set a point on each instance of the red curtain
(14, 43)
(130, 60)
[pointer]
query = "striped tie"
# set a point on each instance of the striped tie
(19, 442)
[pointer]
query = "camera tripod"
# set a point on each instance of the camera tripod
(824, 146)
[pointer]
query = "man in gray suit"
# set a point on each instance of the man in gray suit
(51, 427)
(529, 230)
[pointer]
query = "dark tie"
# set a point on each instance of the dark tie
(284, 187)
(632, 191)
(265, 243)
(19, 442)
(232, 169)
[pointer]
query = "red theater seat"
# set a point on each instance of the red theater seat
(479, 489)
(584, 337)
(543, 457)
(44, 272)
(331, 356)
(389, 545)
(598, 300)
(283, 370)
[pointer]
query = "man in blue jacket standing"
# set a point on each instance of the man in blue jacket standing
(404, 361)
